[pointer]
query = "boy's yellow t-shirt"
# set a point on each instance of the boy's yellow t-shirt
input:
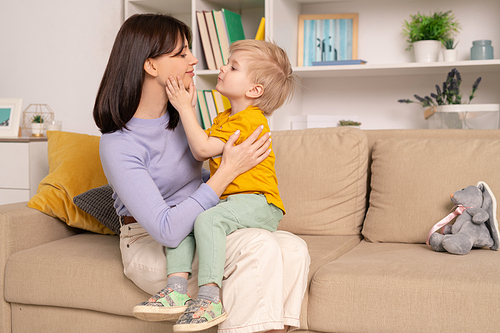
(261, 178)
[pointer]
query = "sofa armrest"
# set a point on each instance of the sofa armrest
(22, 228)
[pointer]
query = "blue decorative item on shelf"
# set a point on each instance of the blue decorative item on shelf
(327, 37)
(481, 50)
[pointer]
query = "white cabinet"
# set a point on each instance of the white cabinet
(23, 165)
(369, 91)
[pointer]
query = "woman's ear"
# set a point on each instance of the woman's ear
(256, 91)
(150, 67)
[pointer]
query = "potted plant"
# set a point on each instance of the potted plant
(450, 51)
(446, 108)
(349, 123)
(37, 125)
(426, 33)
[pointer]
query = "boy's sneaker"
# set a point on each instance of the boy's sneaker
(200, 315)
(168, 304)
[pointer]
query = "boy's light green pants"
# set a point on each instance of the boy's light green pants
(210, 231)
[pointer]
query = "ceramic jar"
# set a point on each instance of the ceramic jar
(481, 50)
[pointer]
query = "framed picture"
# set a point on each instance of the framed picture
(10, 116)
(327, 37)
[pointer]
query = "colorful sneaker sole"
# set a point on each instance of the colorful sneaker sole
(158, 313)
(179, 328)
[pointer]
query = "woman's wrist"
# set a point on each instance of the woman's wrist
(221, 179)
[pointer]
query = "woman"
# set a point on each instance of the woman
(158, 187)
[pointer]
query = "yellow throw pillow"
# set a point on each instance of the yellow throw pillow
(74, 167)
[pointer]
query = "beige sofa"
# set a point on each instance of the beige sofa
(362, 200)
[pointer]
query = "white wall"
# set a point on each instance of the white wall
(54, 52)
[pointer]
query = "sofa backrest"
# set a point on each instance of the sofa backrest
(322, 176)
(401, 179)
(413, 173)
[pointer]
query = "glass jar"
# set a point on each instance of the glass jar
(481, 50)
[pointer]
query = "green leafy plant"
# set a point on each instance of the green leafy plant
(450, 44)
(438, 26)
(349, 123)
(38, 119)
(449, 94)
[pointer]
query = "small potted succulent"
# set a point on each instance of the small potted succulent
(37, 125)
(446, 108)
(426, 33)
(450, 50)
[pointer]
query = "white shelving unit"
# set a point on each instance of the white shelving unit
(27, 166)
(368, 91)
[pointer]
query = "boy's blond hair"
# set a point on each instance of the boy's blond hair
(270, 67)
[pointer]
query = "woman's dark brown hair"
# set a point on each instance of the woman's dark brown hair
(140, 37)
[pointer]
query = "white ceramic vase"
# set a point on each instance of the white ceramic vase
(450, 54)
(427, 50)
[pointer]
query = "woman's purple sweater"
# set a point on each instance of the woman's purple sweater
(156, 178)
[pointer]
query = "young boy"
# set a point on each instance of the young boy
(257, 80)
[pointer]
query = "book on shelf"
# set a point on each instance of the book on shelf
(214, 39)
(203, 109)
(261, 31)
(339, 62)
(220, 26)
(212, 109)
(234, 26)
(205, 40)
(218, 29)
(221, 101)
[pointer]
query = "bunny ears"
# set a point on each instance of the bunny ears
(490, 205)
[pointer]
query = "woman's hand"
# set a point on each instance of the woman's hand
(239, 159)
(182, 99)
(249, 153)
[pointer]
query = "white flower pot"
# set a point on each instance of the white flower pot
(37, 129)
(427, 50)
(450, 55)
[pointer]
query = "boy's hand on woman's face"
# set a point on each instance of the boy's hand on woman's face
(182, 99)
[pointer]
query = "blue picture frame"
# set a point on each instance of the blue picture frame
(329, 37)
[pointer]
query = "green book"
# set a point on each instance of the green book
(233, 25)
(202, 105)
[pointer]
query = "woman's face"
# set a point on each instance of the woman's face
(176, 64)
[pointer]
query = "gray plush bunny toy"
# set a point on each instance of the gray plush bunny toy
(476, 227)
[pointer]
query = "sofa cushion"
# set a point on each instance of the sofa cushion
(322, 180)
(34, 318)
(74, 167)
(84, 271)
(99, 203)
(412, 180)
(322, 250)
(394, 287)
(68, 272)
